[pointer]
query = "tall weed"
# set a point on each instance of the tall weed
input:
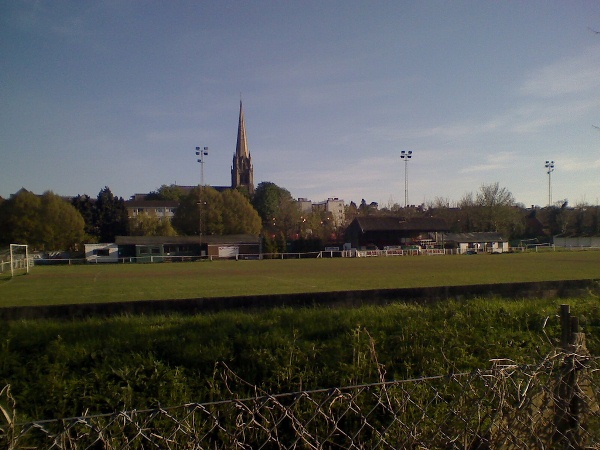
(67, 368)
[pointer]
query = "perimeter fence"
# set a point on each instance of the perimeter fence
(38, 259)
(553, 404)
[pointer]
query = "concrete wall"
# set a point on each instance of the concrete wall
(577, 241)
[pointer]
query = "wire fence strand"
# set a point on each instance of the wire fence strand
(549, 405)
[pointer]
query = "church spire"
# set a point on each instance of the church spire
(241, 148)
(242, 173)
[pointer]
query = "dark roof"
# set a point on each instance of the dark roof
(206, 239)
(491, 236)
(151, 204)
(390, 223)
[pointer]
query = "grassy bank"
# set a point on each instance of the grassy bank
(47, 285)
(63, 368)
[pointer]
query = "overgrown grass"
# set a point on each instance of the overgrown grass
(111, 283)
(66, 368)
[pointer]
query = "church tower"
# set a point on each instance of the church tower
(242, 173)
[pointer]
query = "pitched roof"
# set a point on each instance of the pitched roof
(391, 223)
(151, 203)
(490, 236)
(206, 239)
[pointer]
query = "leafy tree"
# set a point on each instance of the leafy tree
(227, 212)
(318, 226)
(211, 208)
(351, 211)
(443, 208)
(269, 244)
(167, 192)
(245, 192)
(150, 225)
(492, 208)
(277, 208)
(580, 220)
(19, 219)
(46, 223)
(61, 225)
(239, 217)
(366, 209)
(186, 219)
(267, 198)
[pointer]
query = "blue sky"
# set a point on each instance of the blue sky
(119, 93)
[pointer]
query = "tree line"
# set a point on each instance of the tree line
(494, 208)
(49, 222)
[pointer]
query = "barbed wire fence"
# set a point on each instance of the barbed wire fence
(549, 405)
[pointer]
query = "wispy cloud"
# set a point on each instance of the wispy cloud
(578, 165)
(493, 162)
(573, 75)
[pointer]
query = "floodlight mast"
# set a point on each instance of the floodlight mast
(201, 153)
(406, 155)
(549, 169)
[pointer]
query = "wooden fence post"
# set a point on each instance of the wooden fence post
(570, 403)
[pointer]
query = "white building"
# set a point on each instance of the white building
(96, 253)
(477, 242)
(334, 206)
(157, 208)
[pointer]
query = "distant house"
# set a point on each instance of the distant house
(157, 248)
(333, 206)
(389, 231)
(101, 253)
(477, 242)
(157, 208)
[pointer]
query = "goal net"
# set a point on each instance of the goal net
(19, 259)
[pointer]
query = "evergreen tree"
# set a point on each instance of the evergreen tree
(85, 205)
(110, 216)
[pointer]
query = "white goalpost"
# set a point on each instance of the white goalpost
(19, 258)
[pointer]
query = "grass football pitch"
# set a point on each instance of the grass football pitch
(98, 283)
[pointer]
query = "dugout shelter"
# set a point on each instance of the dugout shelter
(174, 248)
(390, 231)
